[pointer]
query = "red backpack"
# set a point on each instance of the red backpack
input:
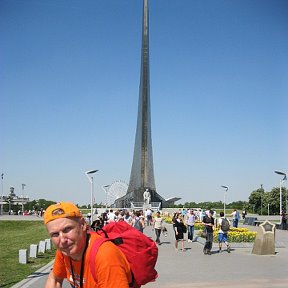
(140, 251)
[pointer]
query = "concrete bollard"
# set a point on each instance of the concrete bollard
(33, 251)
(23, 256)
(42, 247)
(48, 244)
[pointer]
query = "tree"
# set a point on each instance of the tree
(256, 200)
(238, 205)
(259, 200)
(274, 204)
(38, 204)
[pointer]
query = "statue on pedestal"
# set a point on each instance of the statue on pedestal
(147, 197)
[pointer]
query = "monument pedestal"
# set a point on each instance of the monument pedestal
(146, 206)
(265, 240)
(137, 205)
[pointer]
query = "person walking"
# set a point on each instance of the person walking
(158, 226)
(179, 231)
(138, 222)
(128, 218)
(148, 217)
(224, 226)
(68, 231)
(244, 213)
(190, 220)
(208, 222)
(236, 217)
(111, 216)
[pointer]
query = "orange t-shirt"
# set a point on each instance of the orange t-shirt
(112, 267)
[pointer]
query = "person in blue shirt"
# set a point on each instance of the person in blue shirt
(236, 217)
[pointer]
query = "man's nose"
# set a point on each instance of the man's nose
(62, 237)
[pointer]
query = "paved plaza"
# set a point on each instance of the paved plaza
(192, 268)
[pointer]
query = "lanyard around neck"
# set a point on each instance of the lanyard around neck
(82, 264)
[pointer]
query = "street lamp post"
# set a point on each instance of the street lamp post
(261, 204)
(2, 179)
(281, 181)
(2, 195)
(23, 187)
(90, 178)
(106, 189)
(226, 189)
(262, 191)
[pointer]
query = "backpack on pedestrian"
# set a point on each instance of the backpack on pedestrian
(137, 224)
(140, 251)
(225, 225)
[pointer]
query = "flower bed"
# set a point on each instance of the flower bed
(198, 226)
(237, 235)
(167, 219)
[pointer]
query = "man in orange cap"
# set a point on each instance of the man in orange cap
(68, 231)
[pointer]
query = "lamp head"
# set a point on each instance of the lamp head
(91, 172)
(106, 188)
(225, 187)
(281, 173)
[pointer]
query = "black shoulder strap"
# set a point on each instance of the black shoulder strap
(82, 264)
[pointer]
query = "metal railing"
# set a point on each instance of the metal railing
(137, 205)
(141, 205)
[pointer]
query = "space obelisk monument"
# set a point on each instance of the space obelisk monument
(142, 171)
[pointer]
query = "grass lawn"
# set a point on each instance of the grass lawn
(17, 235)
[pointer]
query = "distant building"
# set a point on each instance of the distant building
(12, 199)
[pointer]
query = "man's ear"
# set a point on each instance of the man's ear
(83, 224)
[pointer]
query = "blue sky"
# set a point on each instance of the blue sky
(69, 81)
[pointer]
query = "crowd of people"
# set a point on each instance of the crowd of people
(184, 221)
(139, 219)
(183, 224)
(131, 217)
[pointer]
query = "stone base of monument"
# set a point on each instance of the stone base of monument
(143, 206)
(137, 205)
(156, 206)
(265, 240)
(146, 206)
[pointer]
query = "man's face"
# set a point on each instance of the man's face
(68, 235)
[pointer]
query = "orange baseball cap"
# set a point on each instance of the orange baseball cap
(61, 210)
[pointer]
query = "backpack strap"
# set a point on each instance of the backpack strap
(94, 249)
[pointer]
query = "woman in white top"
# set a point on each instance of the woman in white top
(157, 226)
